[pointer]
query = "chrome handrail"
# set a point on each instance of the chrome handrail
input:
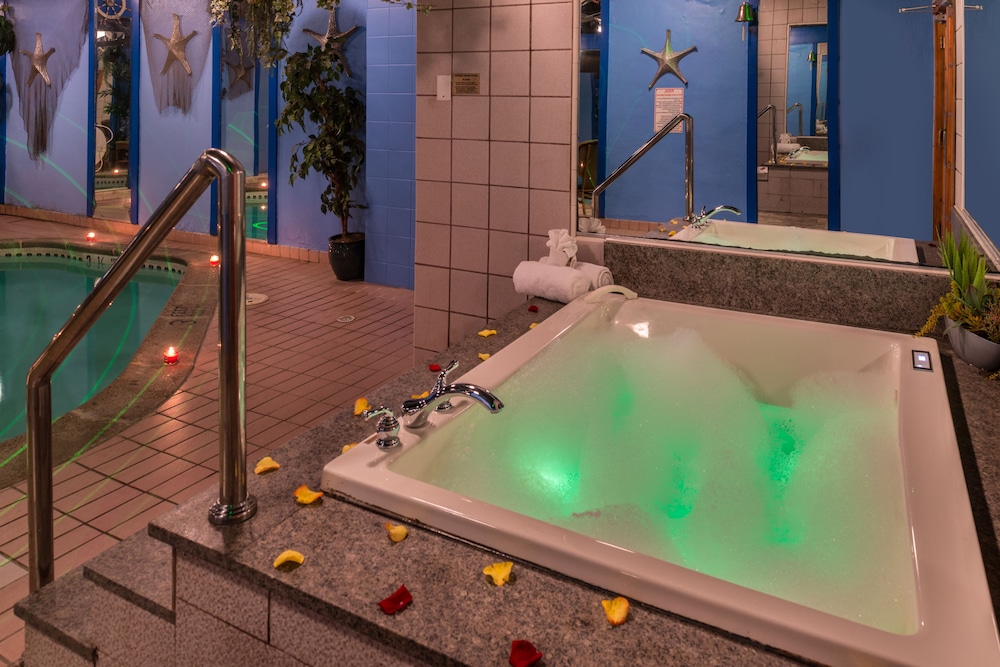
(688, 162)
(797, 105)
(234, 503)
(774, 131)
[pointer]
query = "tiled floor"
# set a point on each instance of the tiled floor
(302, 365)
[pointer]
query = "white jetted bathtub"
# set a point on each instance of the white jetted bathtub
(792, 482)
(798, 239)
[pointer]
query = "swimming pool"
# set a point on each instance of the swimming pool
(39, 289)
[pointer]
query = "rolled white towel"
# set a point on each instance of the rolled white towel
(555, 283)
(599, 276)
(788, 148)
(562, 248)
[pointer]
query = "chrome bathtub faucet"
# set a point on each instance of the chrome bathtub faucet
(386, 429)
(702, 218)
(415, 411)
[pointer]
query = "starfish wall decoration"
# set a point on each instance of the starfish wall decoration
(39, 60)
(669, 61)
(333, 40)
(239, 72)
(176, 46)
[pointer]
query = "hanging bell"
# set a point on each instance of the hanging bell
(746, 15)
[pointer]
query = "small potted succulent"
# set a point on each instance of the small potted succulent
(971, 307)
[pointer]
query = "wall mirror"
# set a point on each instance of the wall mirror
(794, 191)
(112, 109)
(246, 119)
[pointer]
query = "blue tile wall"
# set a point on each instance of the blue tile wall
(391, 154)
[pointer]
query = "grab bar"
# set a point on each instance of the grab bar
(789, 110)
(234, 503)
(688, 162)
(774, 132)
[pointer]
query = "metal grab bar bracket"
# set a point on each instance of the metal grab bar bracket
(234, 504)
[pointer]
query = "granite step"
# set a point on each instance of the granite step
(59, 622)
(140, 570)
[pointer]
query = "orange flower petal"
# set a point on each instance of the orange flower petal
(396, 533)
(266, 464)
(347, 448)
(533, 325)
(288, 556)
(616, 610)
(483, 356)
(485, 333)
(423, 395)
(499, 572)
(361, 405)
(306, 497)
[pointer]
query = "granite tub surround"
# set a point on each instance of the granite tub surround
(146, 382)
(867, 294)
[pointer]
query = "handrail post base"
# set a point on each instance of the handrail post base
(221, 514)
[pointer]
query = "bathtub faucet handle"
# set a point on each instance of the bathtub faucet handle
(386, 429)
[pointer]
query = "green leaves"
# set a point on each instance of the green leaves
(333, 116)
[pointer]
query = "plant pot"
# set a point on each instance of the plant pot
(974, 349)
(347, 257)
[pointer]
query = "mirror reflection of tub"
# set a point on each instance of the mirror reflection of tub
(797, 239)
(775, 478)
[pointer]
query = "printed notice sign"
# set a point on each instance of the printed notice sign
(464, 84)
(669, 103)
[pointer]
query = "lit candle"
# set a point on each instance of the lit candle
(213, 260)
(115, 171)
(263, 186)
(170, 356)
(91, 236)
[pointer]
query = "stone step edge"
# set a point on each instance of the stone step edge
(135, 555)
(60, 611)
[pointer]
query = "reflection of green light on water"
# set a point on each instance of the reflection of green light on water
(780, 463)
(262, 224)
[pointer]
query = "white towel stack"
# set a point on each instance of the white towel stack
(784, 148)
(597, 275)
(555, 283)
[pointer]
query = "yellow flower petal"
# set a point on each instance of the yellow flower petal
(423, 395)
(361, 405)
(499, 572)
(672, 232)
(396, 533)
(616, 610)
(674, 222)
(266, 464)
(347, 448)
(485, 333)
(661, 228)
(483, 356)
(288, 556)
(533, 325)
(306, 497)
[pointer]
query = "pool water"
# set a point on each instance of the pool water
(37, 296)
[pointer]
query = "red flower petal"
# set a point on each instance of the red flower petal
(397, 601)
(523, 653)
(435, 367)
(532, 309)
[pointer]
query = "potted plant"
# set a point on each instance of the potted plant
(333, 117)
(971, 308)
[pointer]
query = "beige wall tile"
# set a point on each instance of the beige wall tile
(552, 26)
(471, 161)
(510, 72)
(462, 326)
(433, 244)
(430, 328)
(433, 118)
(508, 164)
(509, 209)
(549, 209)
(510, 28)
(509, 118)
(470, 205)
(468, 293)
(434, 201)
(502, 297)
(430, 287)
(471, 117)
(507, 250)
(552, 167)
(551, 73)
(429, 66)
(537, 248)
(471, 31)
(469, 249)
(471, 3)
(434, 159)
(551, 120)
(434, 32)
